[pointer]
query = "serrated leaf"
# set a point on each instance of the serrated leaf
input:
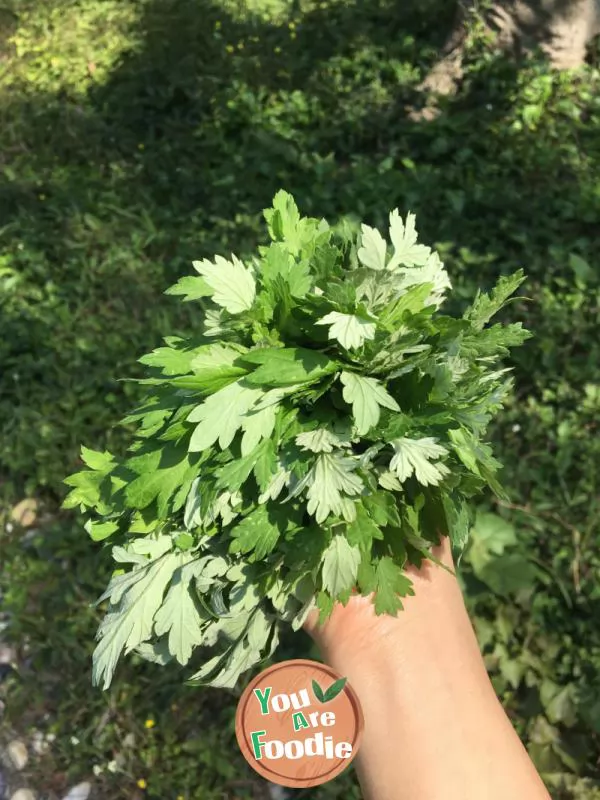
(340, 565)
(366, 396)
(390, 585)
(415, 456)
(286, 366)
(220, 416)
(180, 618)
(485, 306)
(329, 484)
(190, 288)
(213, 366)
(348, 329)
(407, 252)
(372, 251)
(255, 534)
(232, 284)
(130, 623)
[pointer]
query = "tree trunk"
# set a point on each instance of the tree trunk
(562, 28)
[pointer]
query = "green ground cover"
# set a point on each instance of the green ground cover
(136, 136)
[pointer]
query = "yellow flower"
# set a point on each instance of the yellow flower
(140, 146)
(291, 25)
(217, 25)
(142, 783)
(230, 48)
(277, 50)
(240, 45)
(293, 35)
(149, 723)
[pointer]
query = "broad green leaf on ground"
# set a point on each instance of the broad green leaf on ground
(130, 623)
(232, 284)
(417, 456)
(490, 536)
(366, 395)
(340, 565)
(373, 247)
(220, 416)
(348, 329)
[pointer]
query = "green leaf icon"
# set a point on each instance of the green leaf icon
(318, 692)
(335, 689)
(331, 693)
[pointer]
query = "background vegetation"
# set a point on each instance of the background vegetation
(137, 135)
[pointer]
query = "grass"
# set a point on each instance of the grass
(137, 136)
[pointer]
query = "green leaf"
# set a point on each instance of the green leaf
(363, 530)
(485, 306)
(416, 456)
(255, 534)
(407, 252)
(159, 481)
(329, 484)
(340, 565)
(490, 536)
(391, 584)
(99, 531)
(287, 366)
(383, 508)
(372, 251)
(365, 395)
(180, 617)
(129, 623)
(213, 365)
(170, 360)
(348, 329)
(190, 288)
(318, 692)
(231, 282)
(335, 689)
(221, 415)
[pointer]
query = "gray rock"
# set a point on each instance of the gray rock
(79, 792)
(7, 654)
(17, 753)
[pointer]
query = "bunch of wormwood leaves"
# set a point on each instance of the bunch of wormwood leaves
(319, 434)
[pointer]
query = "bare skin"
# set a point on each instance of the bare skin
(434, 728)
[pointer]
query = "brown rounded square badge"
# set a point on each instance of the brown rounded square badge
(299, 723)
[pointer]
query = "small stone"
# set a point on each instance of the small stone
(23, 794)
(25, 512)
(8, 654)
(79, 792)
(17, 753)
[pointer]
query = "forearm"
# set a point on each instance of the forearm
(434, 729)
